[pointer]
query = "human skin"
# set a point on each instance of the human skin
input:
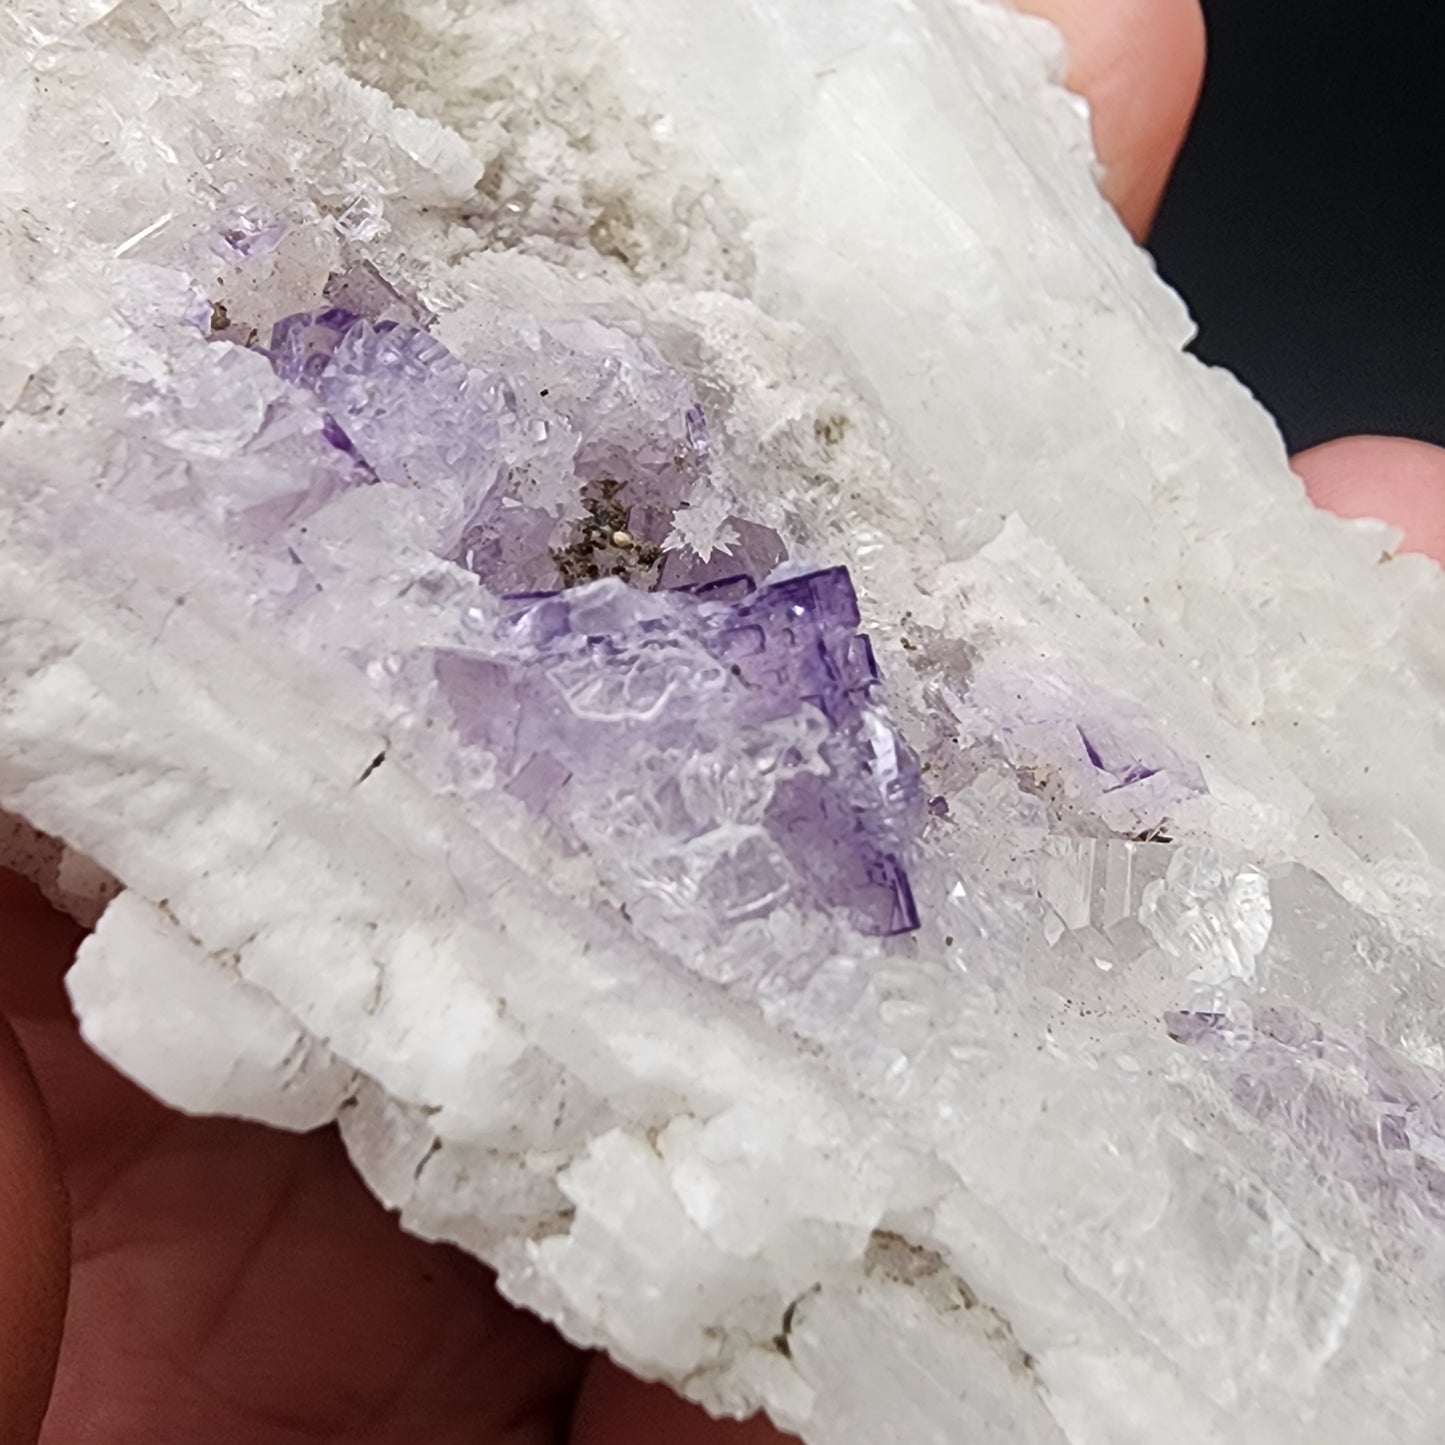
(238, 1286)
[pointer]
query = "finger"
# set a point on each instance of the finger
(1389, 478)
(37, 946)
(1139, 64)
(616, 1409)
(34, 1249)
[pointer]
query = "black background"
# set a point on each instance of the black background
(1302, 222)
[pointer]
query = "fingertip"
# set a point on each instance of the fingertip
(1140, 65)
(1391, 479)
(34, 1248)
(615, 1408)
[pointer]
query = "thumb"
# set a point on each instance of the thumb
(616, 1409)
(1139, 64)
(34, 1248)
(1393, 479)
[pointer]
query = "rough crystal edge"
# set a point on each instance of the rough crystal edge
(41, 805)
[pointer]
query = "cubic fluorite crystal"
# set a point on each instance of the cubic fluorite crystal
(731, 733)
(734, 744)
(649, 588)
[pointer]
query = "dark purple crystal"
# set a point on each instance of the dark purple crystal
(601, 679)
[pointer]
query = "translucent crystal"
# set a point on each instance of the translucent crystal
(584, 696)
(464, 683)
(248, 232)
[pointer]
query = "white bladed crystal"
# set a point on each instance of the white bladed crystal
(1138, 1136)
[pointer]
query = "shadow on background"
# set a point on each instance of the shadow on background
(1298, 225)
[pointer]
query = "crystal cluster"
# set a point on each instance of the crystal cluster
(731, 733)
(447, 452)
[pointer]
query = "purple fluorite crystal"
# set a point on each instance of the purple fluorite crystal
(1106, 753)
(363, 290)
(246, 233)
(771, 689)
(399, 400)
(412, 410)
(302, 345)
(655, 705)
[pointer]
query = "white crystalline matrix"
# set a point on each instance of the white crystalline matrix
(642, 604)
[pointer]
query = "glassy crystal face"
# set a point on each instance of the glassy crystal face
(729, 734)
(717, 718)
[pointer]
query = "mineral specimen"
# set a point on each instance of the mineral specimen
(730, 734)
(510, 511)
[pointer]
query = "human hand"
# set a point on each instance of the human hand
(1139, 62)
(229, 1284)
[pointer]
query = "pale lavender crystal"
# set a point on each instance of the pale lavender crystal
(412, 410)
(578, 688)
(397, 399)
(1115, 759)
(757, 551)
(1286, 1069)
(292, 473)
(302, 345)
(511, 548)
(363, 290)
(697, 433)
(1139, 780)
(248, 232)
(1199, 1027)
